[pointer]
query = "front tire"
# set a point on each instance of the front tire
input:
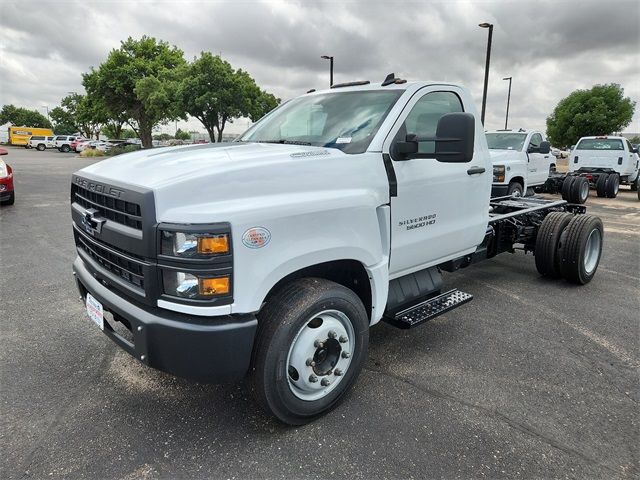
(41, 147)
(515, 189)
(312, 342)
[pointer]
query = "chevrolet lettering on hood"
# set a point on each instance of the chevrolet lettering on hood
(97, 187)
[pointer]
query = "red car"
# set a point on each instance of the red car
(75, 143)
(7, 195)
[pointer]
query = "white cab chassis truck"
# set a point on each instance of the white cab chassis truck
(270, 258)
(521, 160)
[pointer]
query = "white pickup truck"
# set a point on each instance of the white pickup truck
(521, 160)
(270, 258)
(607, 162)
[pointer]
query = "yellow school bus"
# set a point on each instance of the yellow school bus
(21, 135)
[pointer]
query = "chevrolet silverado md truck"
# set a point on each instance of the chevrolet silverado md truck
(521, 159)
(270, 258)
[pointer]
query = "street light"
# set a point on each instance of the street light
(326, 57)
(486, 68)
(47, 107)
(506, 118)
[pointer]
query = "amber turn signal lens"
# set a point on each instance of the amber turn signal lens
(213, 286)
(213, 244)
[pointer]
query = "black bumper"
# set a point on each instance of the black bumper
(205, 349)
(499, 190)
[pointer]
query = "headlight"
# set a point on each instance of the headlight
(195, 287)
(188, 244)
(498, 173)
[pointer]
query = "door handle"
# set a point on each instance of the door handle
(475, 170)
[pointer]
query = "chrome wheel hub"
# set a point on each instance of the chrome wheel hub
(320, 355)
(592, 251)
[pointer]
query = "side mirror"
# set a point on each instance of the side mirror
(454, 140)
(544, 148)
(455, 137)
(402, 150)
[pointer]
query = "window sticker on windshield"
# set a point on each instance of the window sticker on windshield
(343, 140)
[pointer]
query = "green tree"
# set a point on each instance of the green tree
(214, 93)
(182, 135)
(63, 122)
(602, 110)
(23, 117)
(634, 140)
(139, 81)
(162, 136)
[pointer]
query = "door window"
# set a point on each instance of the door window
(424, 116)
(536, 140)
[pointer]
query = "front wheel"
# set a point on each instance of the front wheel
(41, 147)
(515, 189)
(311, 345)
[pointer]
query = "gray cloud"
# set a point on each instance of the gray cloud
(549, 47)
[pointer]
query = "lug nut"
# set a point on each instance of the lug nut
(343, 339)
(325, 382)
(337, 372)
(313, 378)
(346, 354)
(310, 362)
(318, 344)
(332, 334)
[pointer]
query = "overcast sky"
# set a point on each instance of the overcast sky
(549, 47)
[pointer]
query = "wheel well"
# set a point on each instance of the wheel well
(520, 180)
(348, 273)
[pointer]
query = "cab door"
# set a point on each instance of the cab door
(538, 163)
(440, 211)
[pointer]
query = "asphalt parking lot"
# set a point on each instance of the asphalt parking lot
(534, 378)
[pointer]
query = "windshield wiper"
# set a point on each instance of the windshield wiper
(284, 142)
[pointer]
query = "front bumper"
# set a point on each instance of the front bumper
(498, 190)
(206, 349)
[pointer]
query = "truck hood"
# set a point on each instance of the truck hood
(502, 157)
(159, 167)
(204, 183)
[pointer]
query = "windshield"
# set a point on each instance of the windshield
(600, 144)
(506, 141)
(344, 120)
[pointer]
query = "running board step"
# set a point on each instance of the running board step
(429, 309)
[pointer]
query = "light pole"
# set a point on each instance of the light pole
(47, 108)
(486, 69)
(327, 57)
(506, 118)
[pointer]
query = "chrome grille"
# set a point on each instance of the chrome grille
(119, 211)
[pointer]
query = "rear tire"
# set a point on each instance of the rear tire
(600, 183)
(287, 329)
(579, 190)
(515, 189)
(566, 187)
(612, 185)
(581, 248)
(548, 243)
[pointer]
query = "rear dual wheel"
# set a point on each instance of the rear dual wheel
(575, 189)
(311, 345)
(569, 246)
